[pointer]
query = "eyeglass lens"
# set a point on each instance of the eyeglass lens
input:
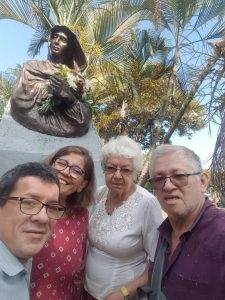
(178, 179)
(112, 170)
(33, 207)
(75, 171)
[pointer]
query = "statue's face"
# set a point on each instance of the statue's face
(58, 44)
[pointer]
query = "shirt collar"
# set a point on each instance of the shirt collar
(10, 264)
(165, 228)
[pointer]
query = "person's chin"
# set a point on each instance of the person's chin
(66, 190)
(56, 53)
(31, 249)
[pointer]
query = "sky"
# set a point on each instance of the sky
(15, 39)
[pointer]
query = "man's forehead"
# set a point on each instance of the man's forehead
(172, 161)
(32, 180)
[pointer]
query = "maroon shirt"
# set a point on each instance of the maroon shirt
(196, 270)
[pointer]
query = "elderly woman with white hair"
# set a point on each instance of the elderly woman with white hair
(122, 226)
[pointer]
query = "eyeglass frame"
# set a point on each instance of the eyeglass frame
(43, 205)
(151, 180)
(68, 166)
(123, 171)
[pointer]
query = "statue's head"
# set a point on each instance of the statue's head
(65, 48)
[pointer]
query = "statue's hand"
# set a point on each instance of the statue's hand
(60, 87)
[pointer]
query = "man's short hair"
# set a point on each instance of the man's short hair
(9, 180)
(168, 148)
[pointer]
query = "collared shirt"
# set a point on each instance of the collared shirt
(14, 276)
(196, 269)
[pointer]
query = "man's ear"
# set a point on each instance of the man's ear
(204, 181)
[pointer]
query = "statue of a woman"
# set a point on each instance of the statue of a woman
(40, 80)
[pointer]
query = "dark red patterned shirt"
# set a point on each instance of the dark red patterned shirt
(58, 270)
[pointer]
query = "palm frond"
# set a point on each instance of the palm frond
(113, 21)
(38, 40)
(21, 11)
(176, 12)
(208, 11)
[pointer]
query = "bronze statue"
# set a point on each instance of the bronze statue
(40, 84)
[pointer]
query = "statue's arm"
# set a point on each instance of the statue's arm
(59, 87)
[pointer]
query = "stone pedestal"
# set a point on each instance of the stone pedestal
(19, 144)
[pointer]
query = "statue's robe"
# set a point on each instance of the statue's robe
(68, 119)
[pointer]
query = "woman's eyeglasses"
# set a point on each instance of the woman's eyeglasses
(113, 170)
(74, 171)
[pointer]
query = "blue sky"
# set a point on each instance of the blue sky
(15, 39)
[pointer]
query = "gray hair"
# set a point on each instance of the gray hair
(123, 146)
(167, 148)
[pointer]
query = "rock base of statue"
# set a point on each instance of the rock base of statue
(19, 144)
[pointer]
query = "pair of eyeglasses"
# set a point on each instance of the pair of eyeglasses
(74, 171)
(113, 170)
(178, 180)
(29, 206)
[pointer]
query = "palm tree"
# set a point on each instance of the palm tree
(104, 28)
(104, 21)
(193, 63)
(132, 97)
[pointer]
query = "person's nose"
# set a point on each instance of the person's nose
(66, 171)
(168, 185)
(56, 40)
(117, 174)
(42, 216)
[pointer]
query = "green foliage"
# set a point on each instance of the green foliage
(7, 81)
(163, 74)
(141, 121)
(5, 93)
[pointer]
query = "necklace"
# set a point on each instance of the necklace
(110, 208)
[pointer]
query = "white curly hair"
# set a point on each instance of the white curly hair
(123, 146)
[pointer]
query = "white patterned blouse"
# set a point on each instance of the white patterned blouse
(120, 244)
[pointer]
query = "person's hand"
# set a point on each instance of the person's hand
(59, 87)
(115, 296)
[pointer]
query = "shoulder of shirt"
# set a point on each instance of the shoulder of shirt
(210, 230)
(216, 217)
(9, 263)
(145, 193)
(146, 197)
(100, 192)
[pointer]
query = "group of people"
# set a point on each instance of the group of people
(61, 239)
(109, 243)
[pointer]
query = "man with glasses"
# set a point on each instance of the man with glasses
(192, 238)
(29, 208)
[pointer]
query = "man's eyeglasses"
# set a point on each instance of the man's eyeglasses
(178, 180)
(29, 206)
(113, 170)
(61, 164)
